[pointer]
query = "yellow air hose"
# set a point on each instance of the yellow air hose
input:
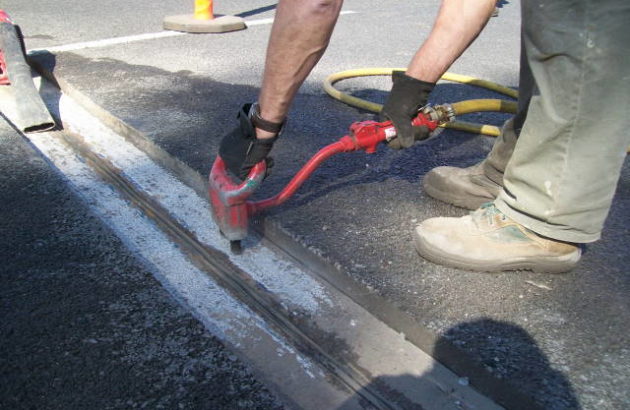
(459, 108)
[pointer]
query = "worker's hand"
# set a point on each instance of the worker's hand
(241, 150)
(405, 99)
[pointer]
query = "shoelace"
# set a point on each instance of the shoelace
(489, 211)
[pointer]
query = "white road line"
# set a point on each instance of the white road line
(138, 37)
(108, 42)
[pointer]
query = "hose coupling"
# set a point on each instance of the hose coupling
(440, 113)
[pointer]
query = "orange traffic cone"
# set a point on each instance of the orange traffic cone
(203, 20)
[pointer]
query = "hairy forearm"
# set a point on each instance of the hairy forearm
(457, 25)
(300, 35)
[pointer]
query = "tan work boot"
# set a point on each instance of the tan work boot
(487, 240)
(464, 187)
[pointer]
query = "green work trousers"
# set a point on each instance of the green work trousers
(562, 153)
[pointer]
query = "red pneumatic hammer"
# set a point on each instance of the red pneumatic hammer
(231, 208)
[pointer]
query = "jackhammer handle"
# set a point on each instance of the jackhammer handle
(364, 135)
(299, 178)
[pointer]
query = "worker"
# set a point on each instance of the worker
(552, 191)
(549, 181)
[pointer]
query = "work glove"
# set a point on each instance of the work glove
(405, 99)
(241, 150)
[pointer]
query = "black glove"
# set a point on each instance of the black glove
(240, 149)
(405, 99)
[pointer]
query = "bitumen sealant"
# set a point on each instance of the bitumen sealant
(558, 338)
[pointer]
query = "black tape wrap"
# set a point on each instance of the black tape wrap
(240, 149)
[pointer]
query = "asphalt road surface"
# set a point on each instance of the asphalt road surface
(559, 339)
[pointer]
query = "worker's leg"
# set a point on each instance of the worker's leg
(475, 185)
(562, 176)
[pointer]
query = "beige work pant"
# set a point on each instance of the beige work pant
(562, 153)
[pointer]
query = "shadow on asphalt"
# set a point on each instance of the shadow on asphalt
(258, 10)
(547, 387)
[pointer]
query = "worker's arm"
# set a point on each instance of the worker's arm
(299, 36)
(457, 25)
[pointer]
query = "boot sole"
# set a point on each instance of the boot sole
(540, 265)
(471, 202)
